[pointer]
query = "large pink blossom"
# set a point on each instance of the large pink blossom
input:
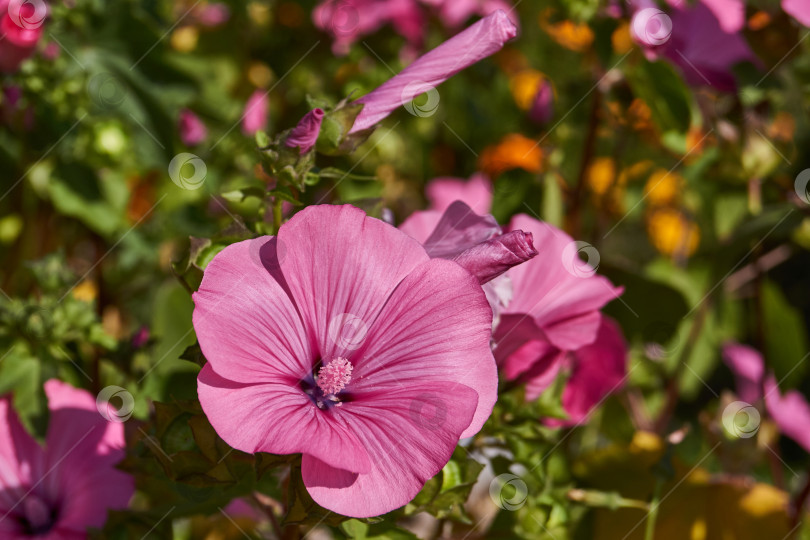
(475, 43)
(547, 309)
(790, 411)
(58, 491)
(342, 340)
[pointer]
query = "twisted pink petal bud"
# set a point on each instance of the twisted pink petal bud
(490, 259)
(306, 132)
(480, 40)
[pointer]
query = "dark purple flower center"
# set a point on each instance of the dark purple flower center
(327, 389)
(37, 516)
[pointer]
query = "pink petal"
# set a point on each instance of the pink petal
(82, 449)
(410, 432)
(543, 373)
(490, 259)
(460, 228)
(729, 13)
(255, 116)
(791, 412)
(480, 40)
(276, 416)
(558, 290)
(599, 369)
(436, 326)
(306, 132)
(21, 458)
(248, 328)
(476, 193)
(420, 225)
(748, 368)
(341, 266)
(798, 9)
(519, 343)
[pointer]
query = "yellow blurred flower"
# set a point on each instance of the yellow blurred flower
(258, 13)
(672, 233)
(577, 37)
(621, 39)
(663, 188)
(515, 151)
(260, 75)
(601, 175)
(184, 39)
(86, 291)
(524, 87)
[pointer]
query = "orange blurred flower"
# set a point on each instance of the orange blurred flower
(577, 37)
(514, 151)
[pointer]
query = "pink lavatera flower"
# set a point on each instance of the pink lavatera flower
(342, 340)
(254, 117)
(790, 411)
(703, 39)
(192, 130)
(58, 491)
(454, 13)
(546, 310)
(21, 26)
(305, 134)
(349, 20)
(473, 44)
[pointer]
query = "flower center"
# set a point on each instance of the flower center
(38, 517)
(334, 376)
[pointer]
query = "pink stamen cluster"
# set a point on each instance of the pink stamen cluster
(334, 376)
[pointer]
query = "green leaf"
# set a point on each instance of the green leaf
(664, 92)
(785, 338)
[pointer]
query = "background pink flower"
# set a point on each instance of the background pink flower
(59, 490)
(192, 130)
(342, 340)
(255, 116)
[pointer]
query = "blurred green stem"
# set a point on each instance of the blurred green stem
(652, 513)
(277, 214)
